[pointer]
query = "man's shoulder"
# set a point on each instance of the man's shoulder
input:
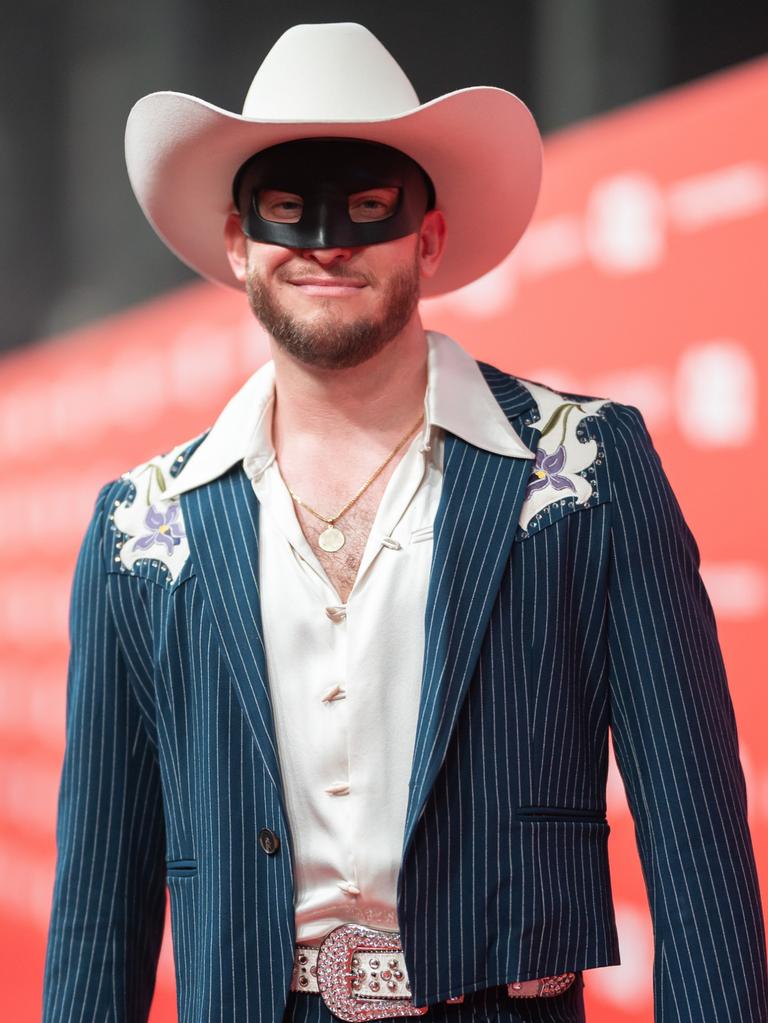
(144, 527)
(509, 388)
(580, 437)
(154, 475)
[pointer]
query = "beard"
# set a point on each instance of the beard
(327, 341)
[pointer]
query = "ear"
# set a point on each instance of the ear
(237, 247)
(431, 242)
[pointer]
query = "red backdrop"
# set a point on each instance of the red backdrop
(641, 279)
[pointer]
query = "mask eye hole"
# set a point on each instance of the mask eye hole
(278, 207)
(373, 204)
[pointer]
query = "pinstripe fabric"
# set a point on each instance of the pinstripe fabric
(536, 642)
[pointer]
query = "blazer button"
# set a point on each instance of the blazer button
(269, 841)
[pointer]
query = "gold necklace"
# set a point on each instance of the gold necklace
(332, 539)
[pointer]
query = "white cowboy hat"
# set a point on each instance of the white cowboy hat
(480, 146)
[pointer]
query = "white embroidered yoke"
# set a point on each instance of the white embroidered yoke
(345, 678)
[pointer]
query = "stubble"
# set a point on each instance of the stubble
(327, 341)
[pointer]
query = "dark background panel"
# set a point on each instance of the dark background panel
(74, 245)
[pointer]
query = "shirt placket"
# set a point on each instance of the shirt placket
(393, 508)
(332, 619)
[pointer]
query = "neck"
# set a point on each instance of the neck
(376, 400)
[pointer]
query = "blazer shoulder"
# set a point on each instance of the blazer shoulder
(147, 532)
(517, 394)
(569, 473)
(547, 396)
(626, 425)
(636, 472)
(627, 441)
(168, 464)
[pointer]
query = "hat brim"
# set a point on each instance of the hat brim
(480, 146)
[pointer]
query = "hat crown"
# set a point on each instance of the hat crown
(330, 72)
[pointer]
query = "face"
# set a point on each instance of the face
(334, 308)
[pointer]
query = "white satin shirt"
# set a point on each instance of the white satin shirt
(345, 678)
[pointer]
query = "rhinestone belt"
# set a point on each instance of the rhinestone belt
(360, 973)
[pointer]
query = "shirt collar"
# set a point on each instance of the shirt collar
(457, 399)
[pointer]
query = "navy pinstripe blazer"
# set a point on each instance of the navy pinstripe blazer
(537, 641)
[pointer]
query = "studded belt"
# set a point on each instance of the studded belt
(360, 974)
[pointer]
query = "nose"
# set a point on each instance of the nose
(326, 257)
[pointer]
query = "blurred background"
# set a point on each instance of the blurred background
(641, 279)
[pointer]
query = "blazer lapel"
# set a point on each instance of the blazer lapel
(222, 521)
(482, 494)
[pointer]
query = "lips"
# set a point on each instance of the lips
(328, 282)
(328, 287)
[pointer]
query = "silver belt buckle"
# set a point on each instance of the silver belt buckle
(341, 985)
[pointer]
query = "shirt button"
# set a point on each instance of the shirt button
(348, 887)
(337, 614)
(340, 788)
(269, 841)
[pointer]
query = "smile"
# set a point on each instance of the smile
(328, 287)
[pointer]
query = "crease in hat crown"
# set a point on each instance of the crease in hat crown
(334, 72)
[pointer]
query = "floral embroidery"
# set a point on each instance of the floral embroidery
(152, 526)
(164, 528)
(561, 457)
(547, 472)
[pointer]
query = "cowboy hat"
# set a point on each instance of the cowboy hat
(480, 146)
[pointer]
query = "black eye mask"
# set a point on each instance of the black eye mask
(324, 173)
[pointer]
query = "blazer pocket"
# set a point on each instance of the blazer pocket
(574, 814)
(181, 868)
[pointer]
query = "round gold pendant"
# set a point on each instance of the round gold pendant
(331, 539)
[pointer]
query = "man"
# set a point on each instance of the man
(343, 667)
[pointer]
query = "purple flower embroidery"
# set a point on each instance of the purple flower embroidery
(165, 528)
(547, 472)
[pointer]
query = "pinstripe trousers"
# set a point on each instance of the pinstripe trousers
(491, 1003)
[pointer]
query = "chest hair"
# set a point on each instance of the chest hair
(342, 566)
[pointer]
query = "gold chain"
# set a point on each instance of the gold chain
(364, 487)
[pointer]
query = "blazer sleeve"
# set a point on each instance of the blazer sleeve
(108, 908)
(676, 747)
